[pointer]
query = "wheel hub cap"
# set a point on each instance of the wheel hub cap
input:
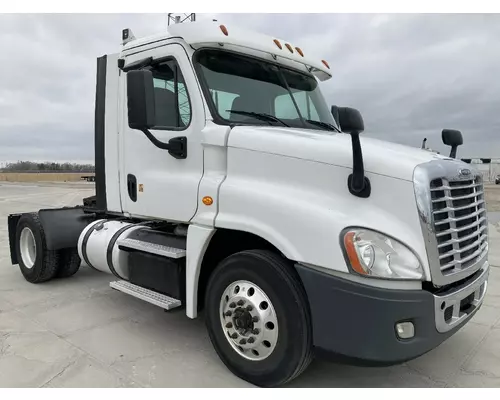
(249, 320)
(28, 247)
(242, 320)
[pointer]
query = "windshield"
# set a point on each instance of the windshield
(251, 91)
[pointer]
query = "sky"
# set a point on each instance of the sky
(410, 75)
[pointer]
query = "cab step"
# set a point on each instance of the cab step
(158, 299)
(151, 248)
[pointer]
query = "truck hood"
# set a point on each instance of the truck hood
(380, 157)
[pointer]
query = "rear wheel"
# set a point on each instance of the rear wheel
(70, 262)
(258, 319)
(37, 264)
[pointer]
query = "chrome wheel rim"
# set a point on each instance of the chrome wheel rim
(28, 247)
(249, 320)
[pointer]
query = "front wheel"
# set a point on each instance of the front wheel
(258, 318)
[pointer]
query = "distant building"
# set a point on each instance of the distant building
(489, 167)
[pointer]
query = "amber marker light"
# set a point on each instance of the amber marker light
(208, 201)
(352, 254)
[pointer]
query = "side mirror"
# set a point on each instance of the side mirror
(453, 138)
(142, 112)
(350, 120)
(140, 100)
(335, 113)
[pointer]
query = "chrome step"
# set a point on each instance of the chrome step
(152, 248)
(150, 296)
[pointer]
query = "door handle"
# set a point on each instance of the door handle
(132, 187)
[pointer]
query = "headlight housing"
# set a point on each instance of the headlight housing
(373, 254)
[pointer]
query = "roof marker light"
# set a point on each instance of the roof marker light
(277, 43)
(224, 30)
(289, 47)
(325, 63)
(299, 51)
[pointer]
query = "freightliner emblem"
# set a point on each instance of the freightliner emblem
(464, 172)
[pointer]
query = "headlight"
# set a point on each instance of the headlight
(376, 255)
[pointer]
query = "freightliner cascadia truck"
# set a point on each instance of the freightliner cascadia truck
(225, 184)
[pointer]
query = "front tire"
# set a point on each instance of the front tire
(37, 264)
(258, 318)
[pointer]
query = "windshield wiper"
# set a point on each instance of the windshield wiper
(261, 116)
(323, 124)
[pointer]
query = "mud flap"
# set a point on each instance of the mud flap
(12, 221)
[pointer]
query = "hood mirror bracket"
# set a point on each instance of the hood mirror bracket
(350, 121)
(358, 184)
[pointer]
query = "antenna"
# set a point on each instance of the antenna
(179, 19)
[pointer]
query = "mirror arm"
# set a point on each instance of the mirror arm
(177, 146)
(357, 182)
(156, 142)
(453, 152)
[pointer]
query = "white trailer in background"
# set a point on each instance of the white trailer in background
(224, 182)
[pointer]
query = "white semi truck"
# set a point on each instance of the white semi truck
(225, 183)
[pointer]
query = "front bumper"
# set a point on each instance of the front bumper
(357, 323)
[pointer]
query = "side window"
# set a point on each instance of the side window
(284, 107)
(173, 109)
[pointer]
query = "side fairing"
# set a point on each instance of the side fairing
(106, 127)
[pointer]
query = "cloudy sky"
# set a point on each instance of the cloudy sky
(410, 75)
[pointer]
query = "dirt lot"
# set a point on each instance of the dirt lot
(42, 177)
(492, 194)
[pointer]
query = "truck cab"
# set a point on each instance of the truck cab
(226, 183)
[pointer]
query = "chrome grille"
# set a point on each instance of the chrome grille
(459, 222)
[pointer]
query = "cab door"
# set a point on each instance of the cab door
(154, 183)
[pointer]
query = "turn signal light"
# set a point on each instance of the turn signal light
(224, 30)
(352, 254)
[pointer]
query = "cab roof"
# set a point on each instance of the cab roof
(215, 34)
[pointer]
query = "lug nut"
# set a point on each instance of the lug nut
(234, 335)
(249, 308)
(229, 325)
(255, 319)
(251, 340)
(243, 341)
(232, 305)
(256, 331)
(228, 313)
(241, 302)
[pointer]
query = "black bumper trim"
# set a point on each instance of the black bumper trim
(357, 323)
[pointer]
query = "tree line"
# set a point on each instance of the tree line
(31, 166)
